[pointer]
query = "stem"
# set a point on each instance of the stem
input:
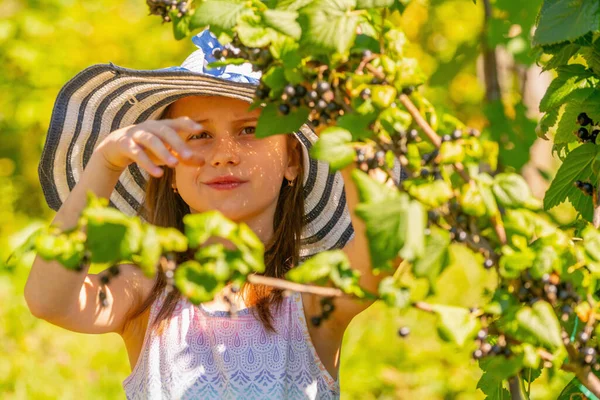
(596, 220)
(490, 67)
(514, 386)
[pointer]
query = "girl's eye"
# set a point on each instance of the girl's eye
(197, 135)
(251, 128)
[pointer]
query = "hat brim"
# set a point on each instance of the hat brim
(104, 97)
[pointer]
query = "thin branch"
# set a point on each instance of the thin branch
(490, 67)
(296, 287)
(514, 387)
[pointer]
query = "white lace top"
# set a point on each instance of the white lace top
(205, 354)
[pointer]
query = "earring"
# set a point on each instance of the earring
(291, 183)
(174, 189)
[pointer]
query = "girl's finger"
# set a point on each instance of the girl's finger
(137, 154)
(153, 143)
(170, 136)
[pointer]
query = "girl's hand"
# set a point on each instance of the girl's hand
(150, 144)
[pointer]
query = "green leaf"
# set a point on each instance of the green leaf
(330, 25)
(196, 282)
(511, 190)
(435, 257)
(357, 124)
(451, 152)
(200, 227)
(150, 252)
(511, 265)
(493, 388)
(111, 235)
(540, 321)
(432, 194)
(471, 201)
(581, 100)
(569, 78)
(484, 184)
(383, 95)
(364, 4)
(591, 247)
(181, 26)
(563, 20)
(171, 239)
(392, 294)
(67, 249)
(271, 122)
(334, 147)
(456, 324)
(369, 190)
(252, 32)
(284, 22)
(577, 165)
(218, 13)
(562, 57)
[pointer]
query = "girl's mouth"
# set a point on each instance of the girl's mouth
(225, 185)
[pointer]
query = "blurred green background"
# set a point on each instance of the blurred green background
(45, 43)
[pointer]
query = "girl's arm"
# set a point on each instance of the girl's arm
(357, 251)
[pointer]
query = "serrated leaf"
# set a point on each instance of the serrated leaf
(563, 20)
(435, 257)
(456, 324)
(334, 147)
(511, 190)
(577, 165)
(562, 57)
(252, 32)
(578, 101)
(218, 13)
(569, 78)
(540, 321)
(271, 122)
(330, 25)
(284, 22)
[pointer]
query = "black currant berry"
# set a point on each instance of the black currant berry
(594, 135)
(217, 53)
(413, 134)
(425, 173)
(482, 334)
(474, 132)
(322, 87)
(477, 354)
(433, 216)
(294, 101)
(488, 263)
(261, 93)
(462, 236)
(300, 90)
(321, 105)
(407, 90)
(456, 134)
(583, 119)
(315, 122)
(367, 53)
(284, 109)
(446, 138)
(437, 175)
(289, 90)
(331, 107)
(316, 320)
(365, 94)
(404, 331)
(312, 95)
(583, 134)
(584, 337)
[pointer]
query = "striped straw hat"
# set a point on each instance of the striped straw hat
(104, 97)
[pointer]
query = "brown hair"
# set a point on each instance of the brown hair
(162, 207)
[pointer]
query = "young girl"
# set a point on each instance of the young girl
(165, 143)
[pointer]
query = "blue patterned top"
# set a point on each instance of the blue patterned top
(205, 354)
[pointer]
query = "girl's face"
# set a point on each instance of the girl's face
(230, 149)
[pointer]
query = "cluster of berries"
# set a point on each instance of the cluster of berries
(367, 162)
(583, 134)
(548, 288)
(163, 7)
(327, 308)
(104, 280)
(259, 57)
(586, 187)
(488, 349)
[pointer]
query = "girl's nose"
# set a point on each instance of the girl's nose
(225, 152)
